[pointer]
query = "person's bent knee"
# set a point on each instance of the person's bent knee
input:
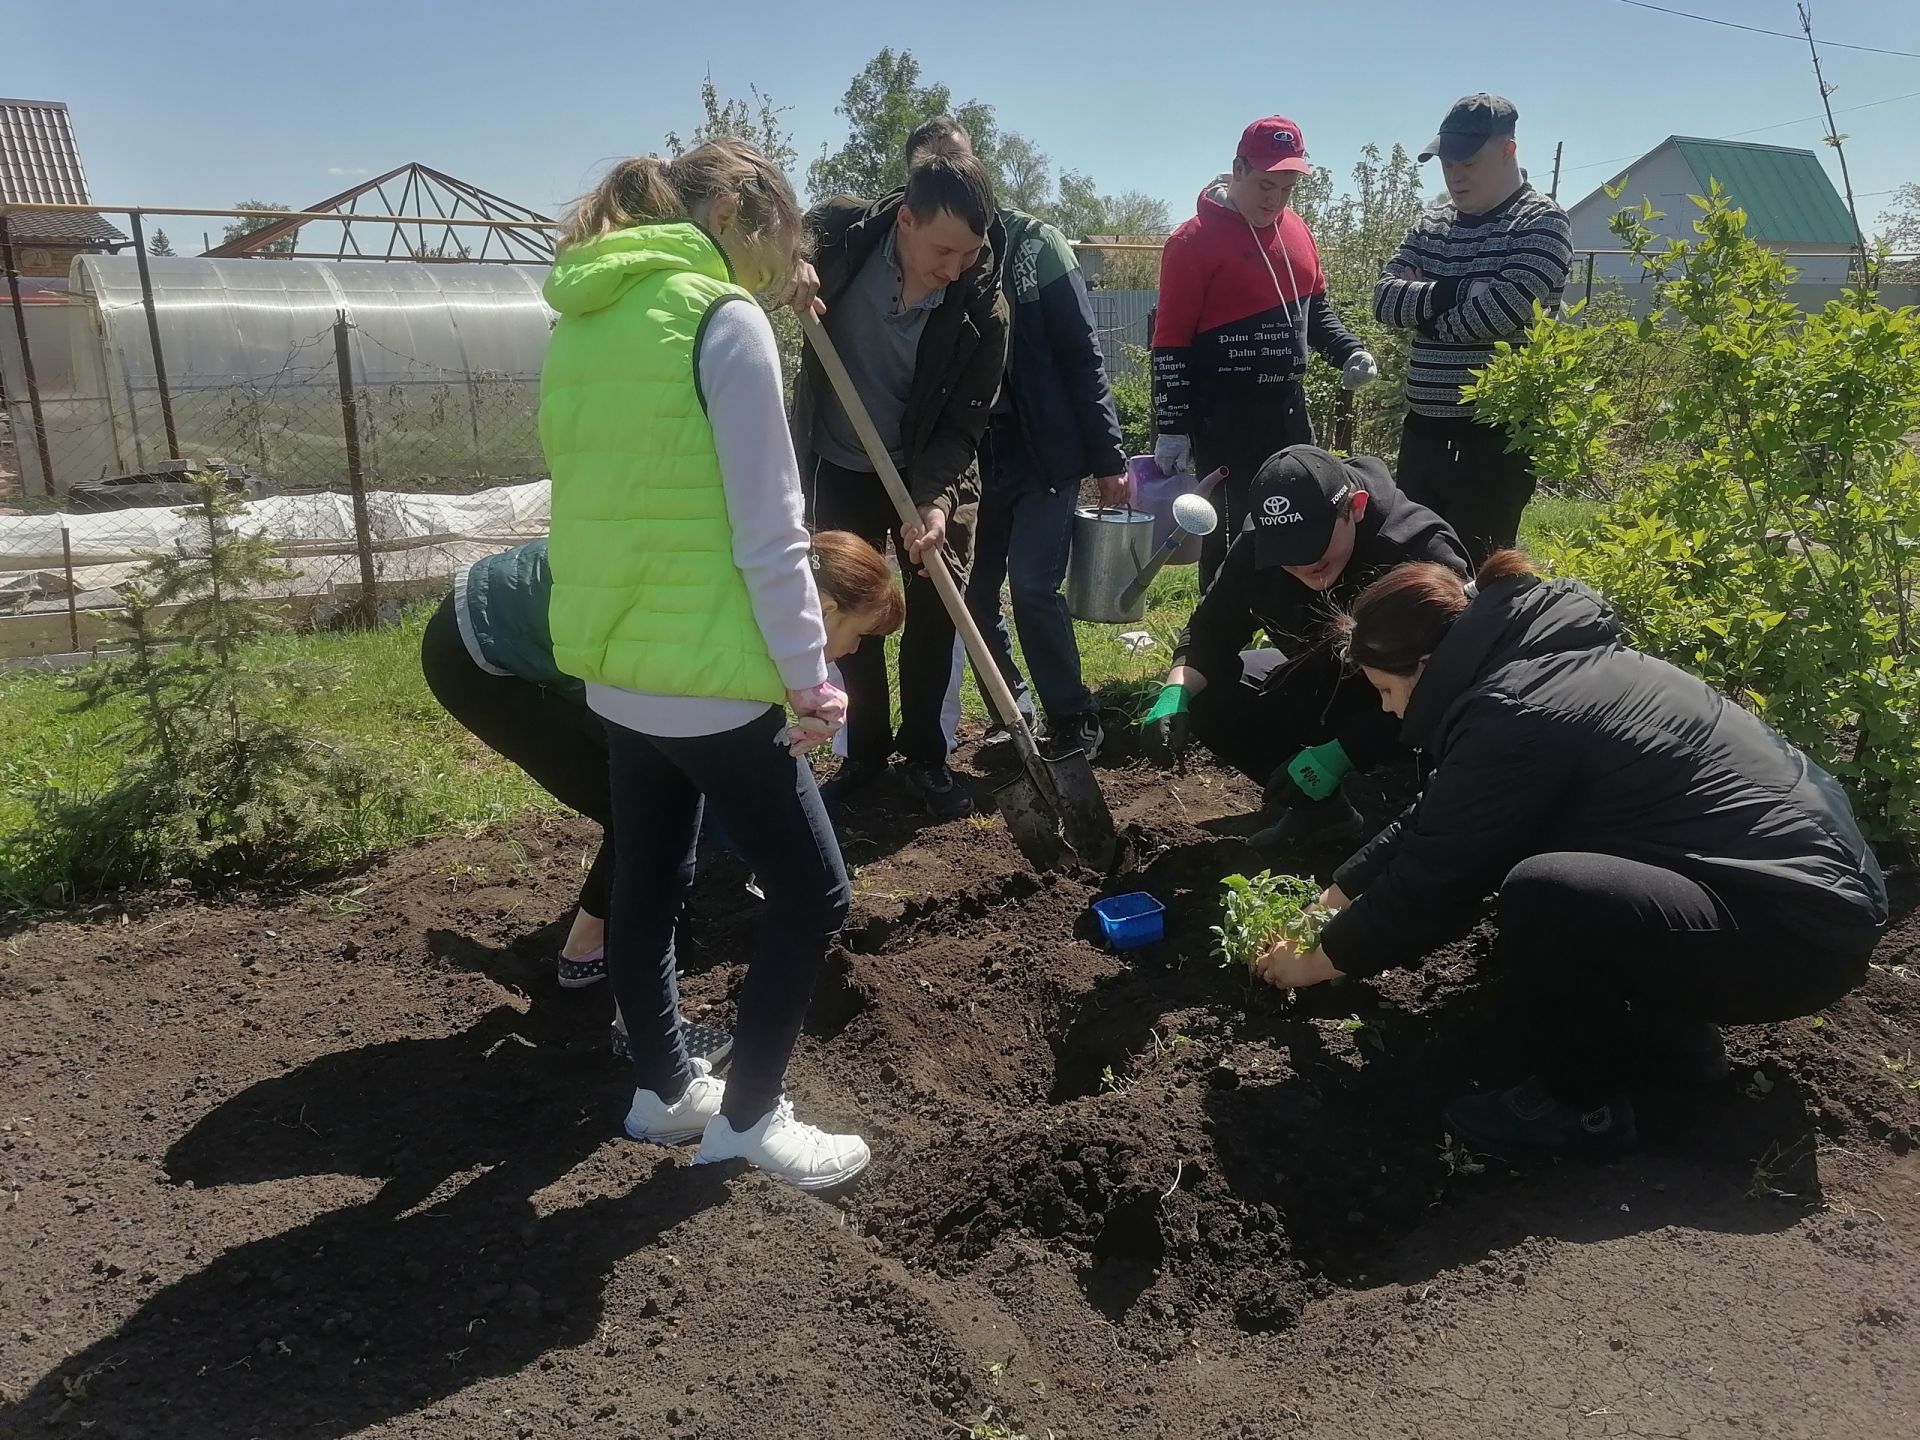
(1534, 895)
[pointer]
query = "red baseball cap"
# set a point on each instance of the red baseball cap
(1274, 143)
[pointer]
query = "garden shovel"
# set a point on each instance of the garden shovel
(1052, 805)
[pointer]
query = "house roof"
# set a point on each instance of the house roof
(1787, 194)
(40, 163)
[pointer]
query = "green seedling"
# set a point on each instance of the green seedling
(1256, 912)
(1363, 1031)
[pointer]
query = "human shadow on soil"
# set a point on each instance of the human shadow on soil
(448, 1273)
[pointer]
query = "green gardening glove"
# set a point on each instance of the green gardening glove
(1166, 729)
(1315, 772)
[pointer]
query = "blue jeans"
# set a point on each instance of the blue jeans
(1022, 539)
(772, 811)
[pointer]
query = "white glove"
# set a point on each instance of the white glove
(1173, 453)
(1361, 370)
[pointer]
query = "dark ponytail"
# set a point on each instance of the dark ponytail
(1400, 619)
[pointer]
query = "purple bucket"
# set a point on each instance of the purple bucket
(1155, 493)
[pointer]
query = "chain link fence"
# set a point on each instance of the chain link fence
(374, 493)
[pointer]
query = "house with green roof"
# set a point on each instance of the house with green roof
(1790, 200)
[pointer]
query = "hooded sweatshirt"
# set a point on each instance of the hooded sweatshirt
(1547, 733)
(1238, 307)
(681, 587)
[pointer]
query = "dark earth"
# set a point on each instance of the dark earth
(347, 1162)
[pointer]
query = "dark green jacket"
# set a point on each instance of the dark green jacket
(501, 605)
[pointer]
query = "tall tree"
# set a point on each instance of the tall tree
(1025, 180)
(759, 122)
(160, 245)
(247, 224)
(1900, 233)
(882, 105)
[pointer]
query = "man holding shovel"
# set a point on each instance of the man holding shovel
(910, 285)
(1242, 297)
(1292, 719)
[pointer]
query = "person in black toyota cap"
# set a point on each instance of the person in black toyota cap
(1289, 717)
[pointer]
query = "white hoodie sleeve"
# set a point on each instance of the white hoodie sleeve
(739, 369)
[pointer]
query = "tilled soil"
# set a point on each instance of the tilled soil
(348, 1162)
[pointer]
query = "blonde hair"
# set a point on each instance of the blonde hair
(647, 190)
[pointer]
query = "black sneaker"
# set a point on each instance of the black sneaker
(1322, 821)
(849, 780)
(1075, 732)
(1528, 1120)
(945, 797)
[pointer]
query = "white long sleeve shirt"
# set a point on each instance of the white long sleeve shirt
(739, 368)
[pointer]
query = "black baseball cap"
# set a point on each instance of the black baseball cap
(1297, 498)
(1473, 120)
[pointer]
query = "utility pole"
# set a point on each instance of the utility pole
(1553, 190)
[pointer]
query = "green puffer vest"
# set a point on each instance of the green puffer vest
(645, 592)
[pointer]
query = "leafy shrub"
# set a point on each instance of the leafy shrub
(1767, 536)
(1133, 398)
(1256, 912)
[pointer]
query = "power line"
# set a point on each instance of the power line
(1779, 34)
(1758, 129)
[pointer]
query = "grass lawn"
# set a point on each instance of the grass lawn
(380, 699)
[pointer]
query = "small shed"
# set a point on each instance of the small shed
(1790, 200)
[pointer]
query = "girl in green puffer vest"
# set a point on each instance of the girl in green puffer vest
(683, 597)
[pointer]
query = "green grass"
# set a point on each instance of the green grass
(381, 700)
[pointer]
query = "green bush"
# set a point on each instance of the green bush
(1767, 533)
(1133, 398)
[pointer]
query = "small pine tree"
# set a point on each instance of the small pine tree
(221, 785)
(160, 245)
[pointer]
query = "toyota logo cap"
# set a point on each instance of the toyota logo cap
(1295, 500)
(1274, 143)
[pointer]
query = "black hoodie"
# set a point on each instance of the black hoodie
(1245, 598)
(1546, 733)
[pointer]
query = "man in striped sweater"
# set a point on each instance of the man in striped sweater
(1467, 277)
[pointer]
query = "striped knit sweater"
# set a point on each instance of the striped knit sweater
(1479, 278)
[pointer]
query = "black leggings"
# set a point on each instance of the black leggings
(768, 802)
(1590, 943)
(547, 732)
(1277, 707)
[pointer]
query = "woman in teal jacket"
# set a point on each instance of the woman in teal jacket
(487, 654)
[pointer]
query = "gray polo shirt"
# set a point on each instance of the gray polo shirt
(880, 343)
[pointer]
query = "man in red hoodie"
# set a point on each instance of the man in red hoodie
(1242, 296)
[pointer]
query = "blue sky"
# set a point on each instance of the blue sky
(201, 103)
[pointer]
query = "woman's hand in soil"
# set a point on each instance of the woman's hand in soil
(1285, 969)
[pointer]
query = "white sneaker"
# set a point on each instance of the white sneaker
(804, 1155)
(652, 1119)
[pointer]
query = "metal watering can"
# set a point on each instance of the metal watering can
(1114, 559)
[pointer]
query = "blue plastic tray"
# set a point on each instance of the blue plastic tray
(1130, 920)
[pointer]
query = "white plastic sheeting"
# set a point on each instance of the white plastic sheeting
(414, 536)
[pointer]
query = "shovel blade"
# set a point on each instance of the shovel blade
(1085, 820)
(1030, 822)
